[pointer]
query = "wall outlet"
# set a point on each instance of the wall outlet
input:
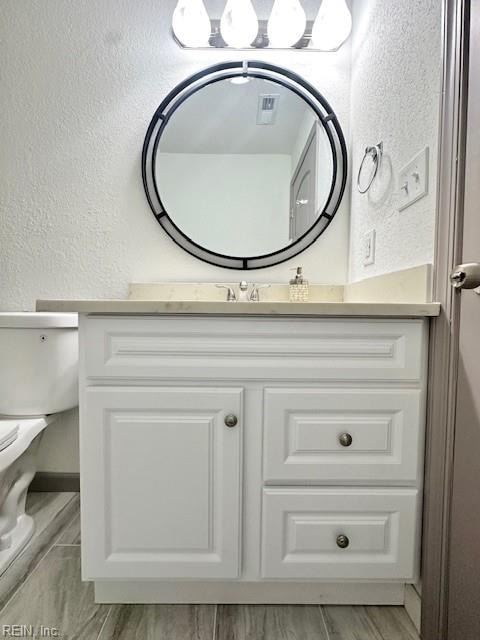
(369, 248)
(413, 180)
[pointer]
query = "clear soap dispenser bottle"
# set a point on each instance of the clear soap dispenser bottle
(298, 289)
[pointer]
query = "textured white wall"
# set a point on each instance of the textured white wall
(79, 84)
(59, 445)
(396, 83)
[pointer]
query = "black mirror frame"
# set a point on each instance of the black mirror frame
(253, 69)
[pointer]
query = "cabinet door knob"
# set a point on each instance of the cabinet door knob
(231, 420)
(345, 439)
(342, 542)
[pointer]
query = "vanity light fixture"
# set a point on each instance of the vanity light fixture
(332, 25)
(287, 23)
(239, 27)
(191, 24)
(239, 24)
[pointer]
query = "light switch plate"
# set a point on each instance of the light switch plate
(369, 248)
(413, 180)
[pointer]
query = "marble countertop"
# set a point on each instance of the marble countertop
(267, 308)
(400, 294)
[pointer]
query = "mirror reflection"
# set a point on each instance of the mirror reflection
(244, 169)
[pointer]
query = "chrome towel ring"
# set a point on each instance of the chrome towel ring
(375, 153)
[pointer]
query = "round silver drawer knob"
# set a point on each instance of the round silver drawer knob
(342, 542)
(231, 420)
(345, 439)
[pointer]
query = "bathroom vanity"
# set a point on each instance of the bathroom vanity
(267, 452)
(245, 456)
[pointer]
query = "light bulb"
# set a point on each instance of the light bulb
(286, 24)
(239, 23)
(332, 25)
(239, 80)
(191, 24)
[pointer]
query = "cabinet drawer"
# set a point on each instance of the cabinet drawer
(301, 528)
(253, 348)
(381, 431)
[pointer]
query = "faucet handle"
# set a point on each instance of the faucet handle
(231, 297)
(255, 295)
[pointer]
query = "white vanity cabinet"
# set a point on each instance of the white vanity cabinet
(243, 458)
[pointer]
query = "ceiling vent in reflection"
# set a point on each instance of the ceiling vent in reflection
(267, 108)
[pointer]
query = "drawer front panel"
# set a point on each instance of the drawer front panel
(254, 348)
(324, 435)
(302, 532)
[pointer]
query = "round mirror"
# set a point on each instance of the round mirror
(244, 165)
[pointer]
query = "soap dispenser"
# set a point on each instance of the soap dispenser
(298, 288)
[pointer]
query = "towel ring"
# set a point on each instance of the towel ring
(376, 153)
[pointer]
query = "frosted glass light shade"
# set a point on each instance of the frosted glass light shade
(286, 24)
(332, 25)
(239, 23)
(191, 24)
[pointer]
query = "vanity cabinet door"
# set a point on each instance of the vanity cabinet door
(161, 482)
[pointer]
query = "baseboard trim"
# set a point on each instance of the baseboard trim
(119, 591)
(55, 481)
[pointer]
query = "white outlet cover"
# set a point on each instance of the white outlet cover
(369, 248)
(413, 180)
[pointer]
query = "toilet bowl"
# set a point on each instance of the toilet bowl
(38, 379)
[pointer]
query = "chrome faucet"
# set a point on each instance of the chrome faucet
(243, 292)
(231, 297)
(255, 295)
(243, 295)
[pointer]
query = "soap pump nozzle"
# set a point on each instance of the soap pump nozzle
(298, 279)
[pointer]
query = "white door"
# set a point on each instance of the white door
(161, 482)
(464, 552)
(303, 190)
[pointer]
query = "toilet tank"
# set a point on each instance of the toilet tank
(38, 363)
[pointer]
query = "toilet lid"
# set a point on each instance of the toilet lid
(8, 433)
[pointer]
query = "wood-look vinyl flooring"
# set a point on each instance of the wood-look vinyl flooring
(42, 590)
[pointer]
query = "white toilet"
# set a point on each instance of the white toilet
(38, 378)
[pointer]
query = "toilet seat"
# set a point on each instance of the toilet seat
(8, 433)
